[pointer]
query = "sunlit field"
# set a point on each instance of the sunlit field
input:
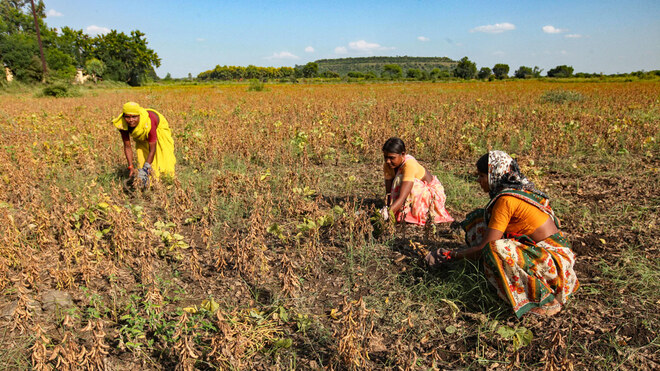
(264, 252)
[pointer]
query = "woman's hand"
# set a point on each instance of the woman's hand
(404, 191)
(131, 172)
(438, 257)
(385, 213)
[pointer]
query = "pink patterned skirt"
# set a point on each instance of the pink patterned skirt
(425, 200)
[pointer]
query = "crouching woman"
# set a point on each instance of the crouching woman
(413, 193)
(525, 256)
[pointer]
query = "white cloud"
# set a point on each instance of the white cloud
(97, 30)
(563, 52)
(573, 36)
(283, 55)
(552, 29)
(309, 49)
(341, 50)
(423, 38)
(367, 47)
(494, 28)
(200, 39)
(361, 47)
(53, 13)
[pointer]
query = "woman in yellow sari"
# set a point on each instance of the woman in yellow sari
(153, 142)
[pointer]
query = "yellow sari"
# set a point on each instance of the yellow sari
(164, 159)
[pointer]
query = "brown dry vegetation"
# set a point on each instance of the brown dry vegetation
(262, 253)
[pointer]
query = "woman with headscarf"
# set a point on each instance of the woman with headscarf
(526, 258)
(153, 141)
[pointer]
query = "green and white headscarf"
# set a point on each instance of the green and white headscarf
(504, 173)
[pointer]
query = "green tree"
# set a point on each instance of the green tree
(61, 65)
(484, 73)
(392, 71)
(95, 67)
(311, 69)
(17, 52)
(501, 71)
(18, 41)
(561, 71)
(75, 43)
(414, 73)
(524, 72)
(127, 58)
(286, 71)
(465, 69)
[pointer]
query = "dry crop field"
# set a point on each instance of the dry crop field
(263, 253)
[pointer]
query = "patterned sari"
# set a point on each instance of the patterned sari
(425, 199)
(525, 273)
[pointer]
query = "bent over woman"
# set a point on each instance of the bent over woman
(154, 145)
(525, 256)
(412, 192)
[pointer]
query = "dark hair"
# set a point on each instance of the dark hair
(394, 145)
(482, 164)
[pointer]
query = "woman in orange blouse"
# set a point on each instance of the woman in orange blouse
(525, 256)
(412, 192)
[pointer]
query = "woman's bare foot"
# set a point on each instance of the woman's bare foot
(549, 309)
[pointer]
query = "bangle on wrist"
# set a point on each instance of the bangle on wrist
(130, 167)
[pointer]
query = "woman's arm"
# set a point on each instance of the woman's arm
(473, 253)
(406, 187)
(128, 152)
(152, 152)
(388, 190)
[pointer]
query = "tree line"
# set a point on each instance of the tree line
(113, 56)
(463, 69)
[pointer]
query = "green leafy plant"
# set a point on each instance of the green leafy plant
(172, 241)
(519, 336)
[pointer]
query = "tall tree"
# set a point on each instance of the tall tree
(18, 42)
(524, 72)
(41, 47)
(561, 71)
(311, 69)
(501, 71)
(484, 73)
(127, 58)
(392, 71)
(465, 69)
(75, 43)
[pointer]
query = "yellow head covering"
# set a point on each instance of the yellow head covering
(131, 108)
(141, 131)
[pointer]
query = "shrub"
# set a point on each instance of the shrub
(256, 85)
(57, 90)
(560, 96)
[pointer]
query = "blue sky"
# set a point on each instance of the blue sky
(190, 37)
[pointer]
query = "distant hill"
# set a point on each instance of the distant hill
(375, 64)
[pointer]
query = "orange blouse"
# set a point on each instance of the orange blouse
(411, 170)
(513, 215)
